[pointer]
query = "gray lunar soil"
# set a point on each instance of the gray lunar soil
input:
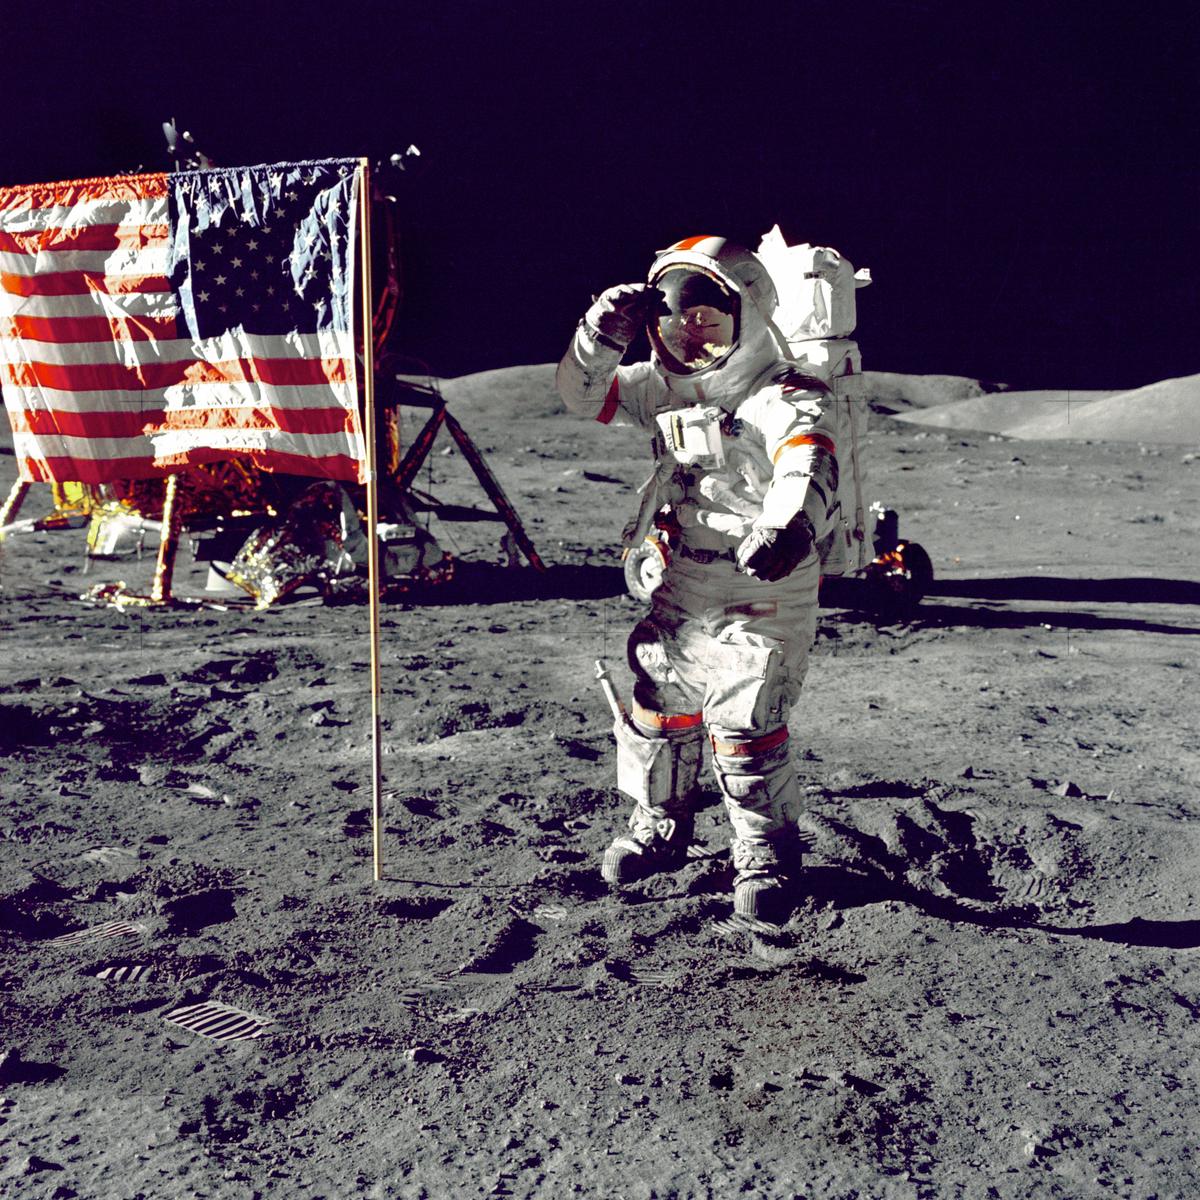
(990, 988)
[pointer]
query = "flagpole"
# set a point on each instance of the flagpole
(372, 513)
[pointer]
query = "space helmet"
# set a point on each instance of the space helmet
(711, 295)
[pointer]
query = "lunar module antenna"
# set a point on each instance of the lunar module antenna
(193, 157)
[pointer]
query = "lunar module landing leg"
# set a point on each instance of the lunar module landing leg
(405, 473)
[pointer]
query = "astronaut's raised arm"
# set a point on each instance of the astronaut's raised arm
(590, 378)
(800, 432)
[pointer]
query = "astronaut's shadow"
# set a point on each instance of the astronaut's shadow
(844, 888)
(1132, 590)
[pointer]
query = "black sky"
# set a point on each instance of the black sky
(1023, 180)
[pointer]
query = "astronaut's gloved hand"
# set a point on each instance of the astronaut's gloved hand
(619, 312)
(770, 554)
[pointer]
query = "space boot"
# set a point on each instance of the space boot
(658, 766)
(762, 796)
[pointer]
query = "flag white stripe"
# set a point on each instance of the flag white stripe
(292, 347)
(133, 211)
(314, 445)
(121, 260)
(200, 396)
(144, 304)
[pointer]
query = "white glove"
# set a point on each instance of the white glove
(619, 312)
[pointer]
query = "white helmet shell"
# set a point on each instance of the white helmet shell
(743, 273)
(737, 265)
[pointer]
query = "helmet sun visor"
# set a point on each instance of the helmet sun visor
(696, 321)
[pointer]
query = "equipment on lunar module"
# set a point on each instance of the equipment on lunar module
(816, 314)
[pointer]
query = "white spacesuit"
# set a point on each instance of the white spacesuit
(746, 454)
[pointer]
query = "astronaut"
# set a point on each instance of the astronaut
(745, 449)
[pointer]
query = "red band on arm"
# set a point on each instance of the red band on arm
(806, 439)
(608, 409)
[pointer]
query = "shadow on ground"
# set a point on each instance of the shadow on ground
(1072, 591)
(489, 583)
(852, 889)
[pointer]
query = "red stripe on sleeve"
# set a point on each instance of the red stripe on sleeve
(611, 401)
(806, 439)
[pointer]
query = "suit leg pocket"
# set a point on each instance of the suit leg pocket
(743, 686)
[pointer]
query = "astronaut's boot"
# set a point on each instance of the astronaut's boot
(765, 878)
(762, 796)
(655, 842)
(658, 769)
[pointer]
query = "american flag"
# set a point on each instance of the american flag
(151, 321)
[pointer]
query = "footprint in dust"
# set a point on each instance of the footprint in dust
(644, 974)
(187, 914)
(514, 942)
(123, 971)
(1041, 867)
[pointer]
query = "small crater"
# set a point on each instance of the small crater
(415, 908)
(14, 1069)
(493, 831)
(356, 823)
(28, 912)
(257, 668)
(583, 883)
(830, 973)
(882, 789)
(421, 806)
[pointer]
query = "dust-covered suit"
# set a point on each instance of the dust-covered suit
(720, 650)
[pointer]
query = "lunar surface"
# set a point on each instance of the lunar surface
(990, 986)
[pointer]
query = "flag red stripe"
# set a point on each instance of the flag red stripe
(64, 423)
(68, 330)
(80, 283)
(84, 237)
(28, 197)
(113, 377)
(56, 468)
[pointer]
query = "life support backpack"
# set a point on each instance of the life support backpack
(815, 316)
